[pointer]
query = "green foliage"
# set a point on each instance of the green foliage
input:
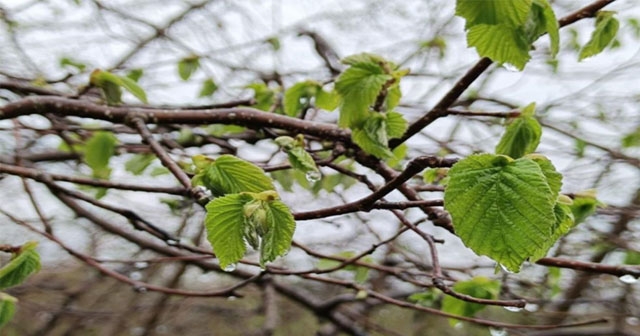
(522, 135)
(632, 258)
(428, 298)
(505, 30)
(138, 163)
(187, 66)
(98, 151)
(23, 263)
(361, 86)
(327, 100)
(299, 158)
(264, 96)
(584, 205)
(632, 139)
(502, 208)
(135, 74)
(229, 175)
(259, 219)
(209, 87)
(478, 287)
(7, 308)
(298, 96)
(112, 85)
(399, 153)
(360, 273)
(603, 35)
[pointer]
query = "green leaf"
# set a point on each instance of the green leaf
(135, 74)
(98, 151)
(564, 222)
(23, 263)
(229, 175)
(522, 135)
(494, 12)
(632, 139)
(373, 138)
(138, 163)
(583, 207)
(157, 171)
(603, 35)
(428, 298)
(393, 97)
(219, 130)
(299, 96)
(361, 273)
(478, 287)
(280, 227)
(264, 96)
(301, 160)
(225, 227)
(500, 207)
(7, 308)
(544, 20)
(500, 43)
(359, 86)
(399, 153)
(133, 87)
(554, 179)
(632, 258)
(327, 100)
(363, 58)
(187, 66)
(396, 125)
(209, 87)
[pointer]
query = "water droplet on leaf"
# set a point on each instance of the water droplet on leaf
(512, 309)
(628, 279)
(510, 67)
(313, 176)
(230, 268)
(497, 332)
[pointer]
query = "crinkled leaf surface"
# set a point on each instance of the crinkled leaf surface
(225, 226)
(229, 175)
(24, 263)
(396, 124)
(500, 207)
(500, 43)
(373, 138)
(300, 159)
(281, 225)
(511, 13)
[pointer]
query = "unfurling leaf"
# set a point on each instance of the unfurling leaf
(500, 207)
(372, 137)
(522, 135)
(478, 287)
(359, 86)
(298, 96)
(98, 151)
(112, 85)
(23, 263)
(605, 32)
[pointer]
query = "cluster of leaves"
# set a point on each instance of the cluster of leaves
(246, 209)
(505, 31)
(370, 91)
(24, 262)
(508, 205)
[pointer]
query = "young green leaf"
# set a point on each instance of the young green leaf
(133, 87)
(564, 222)
(396, 125)
(225, 227)
(478, 287)
(68, 62)
(187, 66)
(135, 74)
(138, 163)
(359, 86)
(23, 263)
(98, 151)
(632, 258)
(301, 160)
(399, 153)
(7, 308)
(209, 87)
(522, 135)
(632, 139)
(327, 100)
(298, 96)
(500, 43)
(229, 175)
(494, 12)
(554, 179)
(583, 206)
(544, 20)
(372, 137)
(500, 207)
(264, 96)
(280, 227)
(605, 32)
